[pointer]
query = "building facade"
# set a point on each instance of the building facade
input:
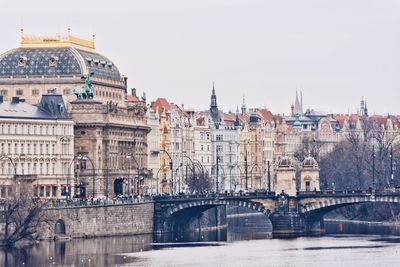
(36, 146)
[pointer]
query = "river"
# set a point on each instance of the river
(237, 246)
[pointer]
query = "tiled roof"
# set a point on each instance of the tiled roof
(132, 98)
(161, 103)
(67, 61)
(50, 110)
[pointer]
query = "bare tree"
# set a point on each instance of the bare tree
(22, 216)
(310, 146)
(199, 182)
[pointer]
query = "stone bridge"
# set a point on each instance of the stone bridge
(290, 216)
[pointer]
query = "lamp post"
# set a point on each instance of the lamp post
(251, 173)
(373, 167)
(269, 176)
(171, 166)
(391, 182)
(81, 157)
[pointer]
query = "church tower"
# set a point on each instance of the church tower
(214, 112)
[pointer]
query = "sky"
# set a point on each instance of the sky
(335, 52)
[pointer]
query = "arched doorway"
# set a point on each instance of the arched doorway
(60, 227)
(118, 187)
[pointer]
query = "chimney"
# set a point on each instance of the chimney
(1, 99)
(133, 90)
(15, 100)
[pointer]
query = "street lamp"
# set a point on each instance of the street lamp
(251, 173)
(81, 157)
(131, 156)
(171, 166)
(373, 167)
(391, 167)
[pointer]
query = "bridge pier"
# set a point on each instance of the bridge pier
(286, 225)
(314, 226)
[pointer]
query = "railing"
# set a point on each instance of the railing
(368, 192)
(99, 202)
(121, 200)
(188, 197)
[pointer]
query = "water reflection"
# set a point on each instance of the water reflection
(179, 249)
(78, 252)
(108, 251)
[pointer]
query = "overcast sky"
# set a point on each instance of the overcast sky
(334, 51)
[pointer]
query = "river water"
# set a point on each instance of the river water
(244, 246)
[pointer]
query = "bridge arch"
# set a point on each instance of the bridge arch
(175, 214)
(328, 204)
(215, 202)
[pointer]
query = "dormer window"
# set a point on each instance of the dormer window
(53, 61)
(22, 61)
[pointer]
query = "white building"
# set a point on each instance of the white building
(36, 146)
(225, 141)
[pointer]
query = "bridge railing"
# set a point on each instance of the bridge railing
(187, 197)
(98, 202)
(367, 192)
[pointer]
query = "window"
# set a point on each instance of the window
(53, 61)
(219, 137)
(22, 61)
(29, 148)
(35, 91)
(22, 148)
(53, 149)
(3, 92)
(34, 149)
(47, 149)
(19, 92)
(40, 149)
(66, 91)
(54, 193)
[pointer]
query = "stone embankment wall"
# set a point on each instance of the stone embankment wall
(92, 221)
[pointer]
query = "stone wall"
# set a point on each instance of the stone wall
(95, 221)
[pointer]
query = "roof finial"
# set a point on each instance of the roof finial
(69, 30)
(22, 31)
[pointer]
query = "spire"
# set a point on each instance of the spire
(244, 108)
(213, 99)
(297, 105)
(214, 112)
(213, 90)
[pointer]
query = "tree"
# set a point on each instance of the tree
(199, 181)
(22, 217)
(310, 146)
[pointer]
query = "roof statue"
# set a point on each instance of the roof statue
(86, 91)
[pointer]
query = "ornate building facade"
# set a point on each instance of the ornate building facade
(110, 132)
(36, 146)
